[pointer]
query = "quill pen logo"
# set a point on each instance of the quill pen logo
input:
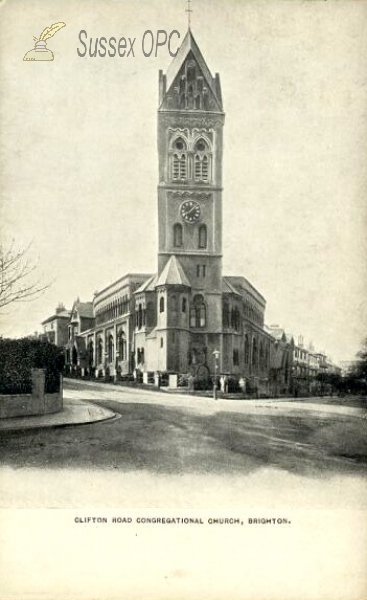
(40, 51)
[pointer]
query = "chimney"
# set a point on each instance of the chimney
(60, 307)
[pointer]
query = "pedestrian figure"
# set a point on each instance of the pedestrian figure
(190, 382)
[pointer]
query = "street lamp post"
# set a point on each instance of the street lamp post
(215, 385)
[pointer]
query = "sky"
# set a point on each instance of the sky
(79, 167)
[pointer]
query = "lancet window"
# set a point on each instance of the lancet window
(179, 160)
(198, 312)
(201, 161)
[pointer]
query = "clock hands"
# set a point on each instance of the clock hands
(190, 211)
(195, 208)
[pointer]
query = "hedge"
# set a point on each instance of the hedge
(19, 357)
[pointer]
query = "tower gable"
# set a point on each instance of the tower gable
(189, 84)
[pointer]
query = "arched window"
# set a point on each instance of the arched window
(122, 345)
(198, 312)
(201, 161)
(177, 235)
(100, 352)
(184, 304)
(179, 160)
(247, 349)
(140, 316)
(261, 356)
(161, 304)
(110, 348)
(254, 353)
(203, 236)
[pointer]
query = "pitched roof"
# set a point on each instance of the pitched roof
(128, 279)
(148, 285)
(173, 274)
(279, 333)
(240, 285)
(85, 309)
(64, 314)
(189, 45)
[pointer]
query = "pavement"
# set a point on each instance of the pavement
(75, 412)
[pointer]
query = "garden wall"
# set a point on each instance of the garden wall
(37, 403)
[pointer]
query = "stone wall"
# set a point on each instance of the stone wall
(37, 403)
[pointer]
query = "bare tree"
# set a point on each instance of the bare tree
(17, 272)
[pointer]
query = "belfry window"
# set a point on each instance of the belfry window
(201, 161)
(179, 160)
(177, 235)
(198, 312)
(203, 236)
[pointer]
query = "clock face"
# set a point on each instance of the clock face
(190, 211)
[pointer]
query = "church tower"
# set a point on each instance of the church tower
(190, 145)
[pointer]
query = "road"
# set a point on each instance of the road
(175, 436)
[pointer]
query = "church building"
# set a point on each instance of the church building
(188, 310)
(187, 318)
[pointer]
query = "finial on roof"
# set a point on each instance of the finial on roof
(189, 11)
